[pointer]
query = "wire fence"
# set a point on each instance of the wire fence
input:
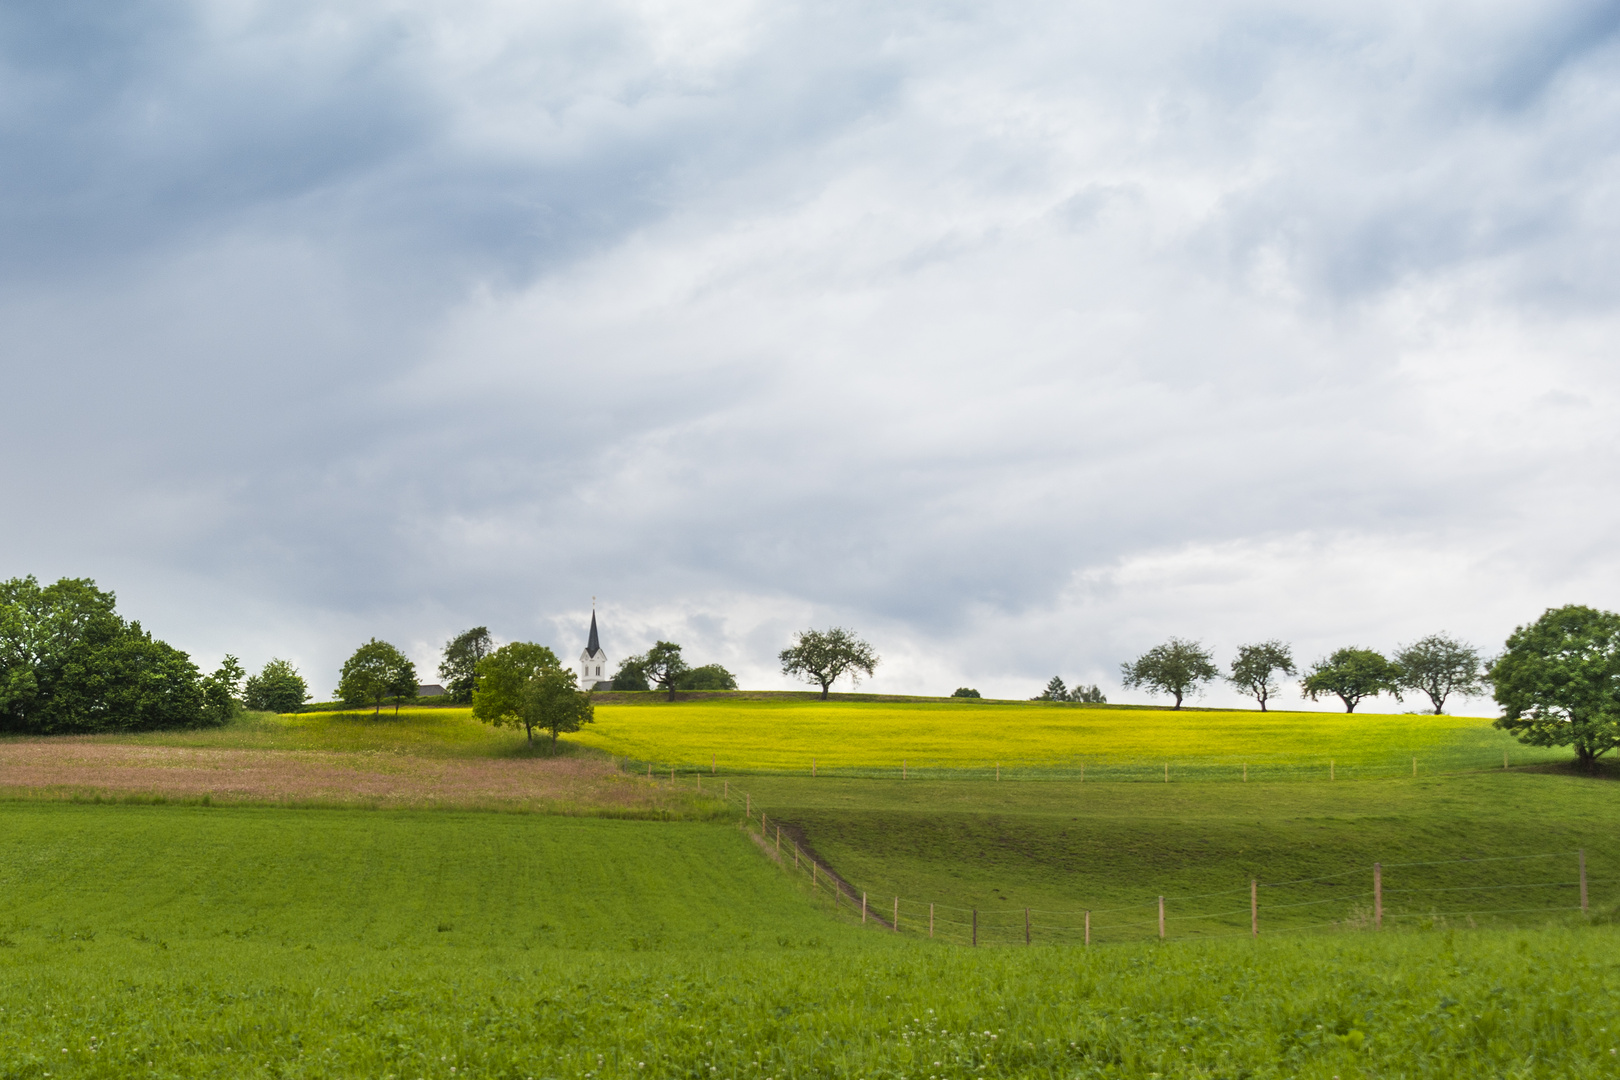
(1432, 762)
(1421, 894)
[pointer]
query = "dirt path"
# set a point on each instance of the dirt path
(68, 768)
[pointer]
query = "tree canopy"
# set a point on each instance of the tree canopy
(376, 671)
(707, 677)
(1351, 674)
(222, 691)
(1054, 691)
(664, 667)
(1558, 682)
(459, 668)
(524, 685)
(1255, 668)
(278, 688)
(966, 691)
(1177, 668)
(70, 663)
(632, 674)
(825, 656)
(1439, 666)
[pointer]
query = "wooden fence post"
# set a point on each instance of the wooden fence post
(1504, 759)
(1161, 918)
(975, 926)
(1026, 926)
(764, 826)
(726, 789)
(1583, 880)
(711, 764)
(795, 854)
(1414, 768)
(672, 774)
(1245, 772)
(897, 914)
(812, 767)
(748, 805)
(1378, 895)
(902, 768)
(930, 918)
(1254, 908)
(649, 770)
(779, 839)
(1330, 768)
(1088, 929)
(998, 770)
(1167, 772)
(1082, 772)
(813, 883)
(863, 909)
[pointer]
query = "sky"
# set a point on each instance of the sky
(1018, 337)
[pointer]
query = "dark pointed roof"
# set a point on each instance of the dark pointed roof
(594, 645)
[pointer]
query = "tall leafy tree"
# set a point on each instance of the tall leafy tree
(278, 688)
(222, 691)
(1351, 675)
(1256, 667)
(459, 667)
(664, 667)
(524, 685)
(1177, 668)
(69, 663)
(1090, 695)
(1558, 682)
(375, 672)
(1440, 666)
(825, 656)
(632, 674)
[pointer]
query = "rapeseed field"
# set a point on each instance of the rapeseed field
(923, 737)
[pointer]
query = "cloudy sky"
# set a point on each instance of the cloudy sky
(1016, 336)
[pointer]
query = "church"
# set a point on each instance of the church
(593, 662)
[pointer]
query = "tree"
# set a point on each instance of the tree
(517, 686)
(459, 668)
(1177, 667)
(632, 674)
(1090, 695)
(553, 701)
(707, 677)
(1255, 668)
(826, 656)
(966, 691)
(1055, 691)
(1558, 682)
(278, 688)
(1440, 666)
(376, 671)
(664, 667)
(70, 663)
(221, 691)
(1351, 674)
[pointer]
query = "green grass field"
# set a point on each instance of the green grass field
(877, 738)
(193, 940)
(168, 941)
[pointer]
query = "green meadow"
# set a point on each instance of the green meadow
(261, 940)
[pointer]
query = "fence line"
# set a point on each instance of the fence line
(1363, 907)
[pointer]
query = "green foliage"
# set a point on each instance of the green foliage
(632, 674)
(1256, 667)
(707, 677)
(1055, 691)
(664, 667)
(222, 691)
(524, 685)
(1558, 681)
(69, 663)
(1439, 666)
(459, 668)
(375, 672)
(965, 691)
(279, 688)
(1177, 668)
(1089, 695)
(1350, 675)
(825, 656)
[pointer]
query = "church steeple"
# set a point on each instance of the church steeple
(594, 644)
(593, 662)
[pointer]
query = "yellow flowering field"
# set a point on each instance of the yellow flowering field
(885, 737)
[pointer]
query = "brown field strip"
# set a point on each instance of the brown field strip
(74, 768)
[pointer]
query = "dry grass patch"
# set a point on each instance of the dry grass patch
(88, 768)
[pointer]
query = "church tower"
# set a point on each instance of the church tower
(593, 662)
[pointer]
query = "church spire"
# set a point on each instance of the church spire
(594, 645)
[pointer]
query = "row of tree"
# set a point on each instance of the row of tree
(1437, 666)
